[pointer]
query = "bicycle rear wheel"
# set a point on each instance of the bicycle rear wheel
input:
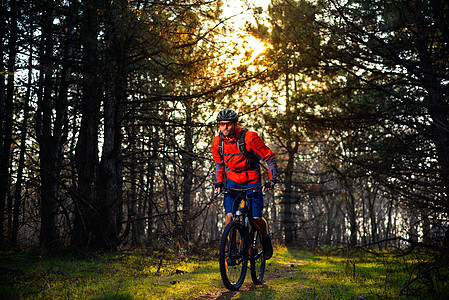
(257, 262)
(233, 259)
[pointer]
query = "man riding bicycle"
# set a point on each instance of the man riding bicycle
(237, 153)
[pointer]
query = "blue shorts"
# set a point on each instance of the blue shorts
(232, 201)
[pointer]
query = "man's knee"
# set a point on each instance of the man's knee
(228, 218)
(261, 225)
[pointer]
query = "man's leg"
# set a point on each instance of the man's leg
(261, 223)
(228, 218)
(262, 226)
(229, 205)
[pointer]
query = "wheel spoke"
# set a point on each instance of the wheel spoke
(233, 261)
(257, 260)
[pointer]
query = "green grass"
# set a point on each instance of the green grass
(143, 274)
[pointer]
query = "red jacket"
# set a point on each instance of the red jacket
(236, 167)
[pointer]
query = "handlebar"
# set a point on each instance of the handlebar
(254, 189)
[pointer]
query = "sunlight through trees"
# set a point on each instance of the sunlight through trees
(108, 113)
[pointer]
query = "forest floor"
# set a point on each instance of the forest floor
(327, 273)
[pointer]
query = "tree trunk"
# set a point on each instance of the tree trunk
(151, 182)
(372, 214)
(132, 197)
(149, 198)
(287, 202)
(19, 182)
(86, 220)
(413, 225)
(150, 192)
(331, 215)
(187, 173)
(437, 107)
(352, 219)
(49, 137)
(6, 108)
(110, 172)
(142, 204)
(388, 230)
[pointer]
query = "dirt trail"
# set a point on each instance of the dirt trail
(281, 270)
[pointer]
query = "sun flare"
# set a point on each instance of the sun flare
(257, 47)
(249, 49)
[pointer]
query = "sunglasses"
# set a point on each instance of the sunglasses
(226, 124)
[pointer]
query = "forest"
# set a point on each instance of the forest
(108, 110)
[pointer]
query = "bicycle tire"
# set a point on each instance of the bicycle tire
(257, 261)
(233, 260)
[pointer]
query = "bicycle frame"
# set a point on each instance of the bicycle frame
(244, 212)
(239, 230)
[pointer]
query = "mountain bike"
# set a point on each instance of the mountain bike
(241, 241)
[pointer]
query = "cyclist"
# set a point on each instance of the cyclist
(237, 152)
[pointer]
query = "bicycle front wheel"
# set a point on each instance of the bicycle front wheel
(256, 257)
(233, 259)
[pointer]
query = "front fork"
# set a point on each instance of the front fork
(243, 219)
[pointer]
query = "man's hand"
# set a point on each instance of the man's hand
(269, 185)
(219, 187)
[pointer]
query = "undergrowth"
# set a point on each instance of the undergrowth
(326, 273)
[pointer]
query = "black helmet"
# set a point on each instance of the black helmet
(227, 115)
